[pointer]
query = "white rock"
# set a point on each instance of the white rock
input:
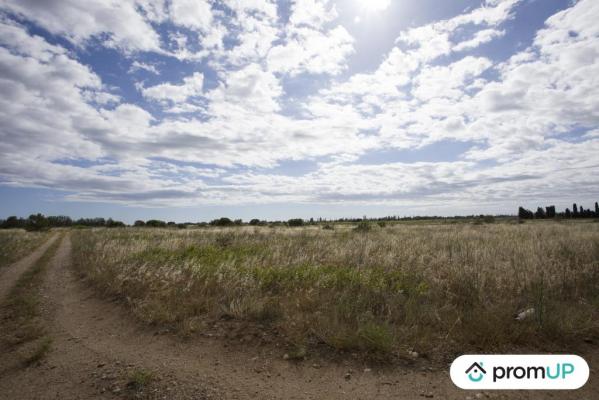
(522, 315)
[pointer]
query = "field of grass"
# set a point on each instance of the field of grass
(382, 291)
(17, 243)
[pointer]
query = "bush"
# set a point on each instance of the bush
(295, 222)
(156, 223)
(489, 219)
(224, 221)
(37, 222)
(363, 226)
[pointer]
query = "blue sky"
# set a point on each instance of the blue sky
(189, 110)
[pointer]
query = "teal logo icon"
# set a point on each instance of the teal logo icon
(476, 372)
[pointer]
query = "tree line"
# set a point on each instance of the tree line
(549, 212)
(40, 221)
(36, 222)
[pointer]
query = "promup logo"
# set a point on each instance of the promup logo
(519, 372)
(476, 372)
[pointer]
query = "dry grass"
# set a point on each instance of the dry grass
(17, 243)
(435, 288)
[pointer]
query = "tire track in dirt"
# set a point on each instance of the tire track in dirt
(10, 275)
(47, 380)
(89, 332)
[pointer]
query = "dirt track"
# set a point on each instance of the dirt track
(10, 275)
(96, 344)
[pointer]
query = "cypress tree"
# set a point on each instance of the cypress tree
(523, 213)
(540, 213)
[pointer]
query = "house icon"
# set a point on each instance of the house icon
(476, 372)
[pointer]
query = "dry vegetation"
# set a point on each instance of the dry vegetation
(17, 243)
(434, 288)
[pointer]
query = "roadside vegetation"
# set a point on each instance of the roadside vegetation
(22, 334)
(17, 243)
(383, 290)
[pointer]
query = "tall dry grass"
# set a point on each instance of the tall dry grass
(17, 243)
(436, 288)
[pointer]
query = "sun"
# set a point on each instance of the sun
(373, 6)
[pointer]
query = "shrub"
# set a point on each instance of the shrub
(224, 221)
(294, 222)
(363, 226)
(156, 223)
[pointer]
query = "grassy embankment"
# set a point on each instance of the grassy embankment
(436, 289)
(17, 243)
(22, 333)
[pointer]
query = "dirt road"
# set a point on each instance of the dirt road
(99, 350)
(10, 275)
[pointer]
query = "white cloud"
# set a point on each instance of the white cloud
(312, 51)
(168, 92)
(480, 37)
(448, 81)
(310, 44)
(124, 27)
(138, 66)
(195, 14)
(249, 89)
(312, 13)
(520, 114)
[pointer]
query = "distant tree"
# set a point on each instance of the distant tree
(13, 222)
(110, 223)
(139, 222)
(540, 214)
(155, 223)
(238, 222)
(255, 222)
(224, 221)
(171, 223)
(596, 209)
(568, 213)
(523, 213)
(574, 210)
(37, 222)
(59, 220)
(550, 211)
(295, 222)
(91, 222)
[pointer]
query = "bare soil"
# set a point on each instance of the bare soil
(97, 347)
